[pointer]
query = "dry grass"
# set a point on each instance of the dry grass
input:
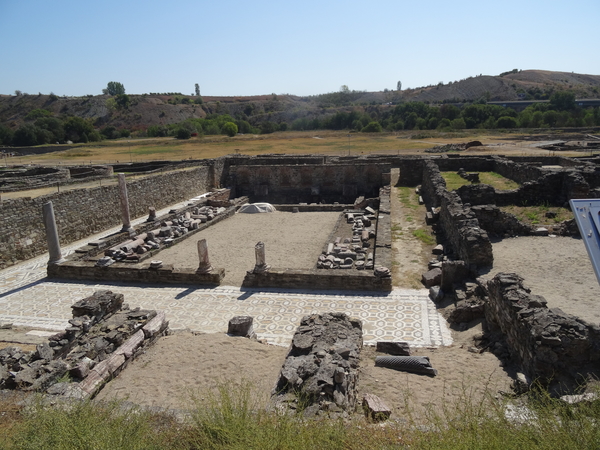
(290, 142)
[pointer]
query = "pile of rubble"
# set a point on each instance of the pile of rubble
(473, 177)
(320, 372)
(348, 253)
(453, 147)
(103, 336)
(169, 230)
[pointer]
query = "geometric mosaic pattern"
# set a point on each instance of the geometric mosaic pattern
(28, 298)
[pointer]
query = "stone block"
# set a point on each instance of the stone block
(432, 277)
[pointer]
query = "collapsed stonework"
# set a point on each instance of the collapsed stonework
(320, 372)
(103, 336)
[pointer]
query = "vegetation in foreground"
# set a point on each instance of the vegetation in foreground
(233, 420)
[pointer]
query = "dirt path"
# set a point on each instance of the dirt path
(409, 254)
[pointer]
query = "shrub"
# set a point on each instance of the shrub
(183, 133)
(372, 127)
(268, 127)
(229, 128)
(37, 114)
(506, 122)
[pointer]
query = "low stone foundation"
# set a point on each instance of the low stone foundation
(558, 350)
(333, 279)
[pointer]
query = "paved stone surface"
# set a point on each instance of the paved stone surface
(28, 298)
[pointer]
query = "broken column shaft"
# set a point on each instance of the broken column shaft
(124, 200)
(261, 266)
(204, 266)
(51, 234)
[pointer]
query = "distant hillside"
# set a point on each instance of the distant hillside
(522, 85)
(146, 110)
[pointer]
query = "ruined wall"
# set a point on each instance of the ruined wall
(448, 163)
(82, 212)
(495, 221)
(333, 279)
(459, 224)
(549, 345)
(521, 173)
(307, 183)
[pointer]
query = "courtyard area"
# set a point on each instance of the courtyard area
(29, 299)
(292, 241)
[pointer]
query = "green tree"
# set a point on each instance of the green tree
(54, 126)
(399, 86)
(6, 135)
(25, 136)
(562, 101)
(76, 128)
(122, 101)
(114, 88)
(506, 122)
(372, 127)
(458, 124)
(37, 113)
(229, 128)
(183, 133)
(551, 118)
(197, 88)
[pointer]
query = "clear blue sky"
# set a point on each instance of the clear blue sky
(298, 47)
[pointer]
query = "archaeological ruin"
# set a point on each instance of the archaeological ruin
(349, 199)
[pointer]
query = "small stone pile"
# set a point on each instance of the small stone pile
(103, 335)
(352, 252)
(320, 372)
(472, 177)
(132, 249)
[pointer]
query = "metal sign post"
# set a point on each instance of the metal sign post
(587, 216)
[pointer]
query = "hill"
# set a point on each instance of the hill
(163, 109)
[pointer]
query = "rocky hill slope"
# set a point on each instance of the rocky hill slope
(145, 110)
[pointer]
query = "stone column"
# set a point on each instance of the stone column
(204, 266)
(51, 234)
(124, 199)
(261, 266)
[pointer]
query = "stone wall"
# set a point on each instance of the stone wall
(497, 222)
(21, 178)
(82, 212)
(555, 348)
(307, 183)
(332, 279)
(459, 225)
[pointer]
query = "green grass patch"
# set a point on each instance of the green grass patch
(408, 197)
(424, 236)
(455, 181)
(536, 215)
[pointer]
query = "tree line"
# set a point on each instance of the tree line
(42, 127)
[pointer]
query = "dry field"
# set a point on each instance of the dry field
(290, 142)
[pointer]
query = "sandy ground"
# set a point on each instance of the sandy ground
(292, 241)
(462, 376)
(184, 366)
(187, 365)
(557, 268)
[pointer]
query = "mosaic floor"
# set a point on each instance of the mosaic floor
(28, 298)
